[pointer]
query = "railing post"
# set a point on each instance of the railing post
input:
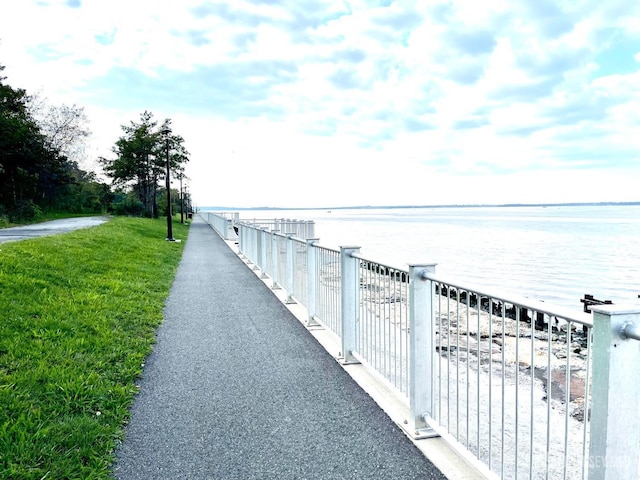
(236, 219)
(290, 268)
(228, 227)
(614, 451)
(241, 234)
(421, 350)
(248, 244)
(256, 238)
(350, 287)
(312, 281)
(263, 253)
(255, 248)
(275, 277)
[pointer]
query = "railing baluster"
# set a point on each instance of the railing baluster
(517, 405)
(532, 398)
(567, 399)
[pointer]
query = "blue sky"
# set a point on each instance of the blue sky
(303, 103)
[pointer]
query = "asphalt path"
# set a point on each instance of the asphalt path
(52, 227)
(237, 388)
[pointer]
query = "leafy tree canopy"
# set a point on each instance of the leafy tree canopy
(35, 171)
(141, 155)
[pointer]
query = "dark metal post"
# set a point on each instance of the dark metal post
(181, 200)
(170, 238)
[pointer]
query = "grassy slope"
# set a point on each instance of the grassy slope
(77, 318)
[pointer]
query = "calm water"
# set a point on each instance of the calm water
(556, 254)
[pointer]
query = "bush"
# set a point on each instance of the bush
(25, 210)
(127, 204)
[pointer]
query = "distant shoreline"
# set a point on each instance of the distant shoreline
(388, 207)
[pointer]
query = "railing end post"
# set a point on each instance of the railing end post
(615, 398)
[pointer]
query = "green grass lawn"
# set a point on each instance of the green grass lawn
(78, 314)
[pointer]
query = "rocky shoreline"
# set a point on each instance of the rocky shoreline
(502, 372)
(561, 347)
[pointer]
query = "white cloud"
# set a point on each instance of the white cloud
(311, 102)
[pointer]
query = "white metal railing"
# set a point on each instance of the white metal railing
(383, 333)
(297, 228)
(324, 263)
(511, 379)
(222, 223)
(529, 389)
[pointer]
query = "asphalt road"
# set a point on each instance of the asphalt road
(52, 227)
(237, 388)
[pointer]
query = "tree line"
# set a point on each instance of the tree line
(42, 146)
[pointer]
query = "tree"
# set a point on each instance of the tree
(35, 171)
(133, 165)
(26, 161)
(84, 194)
(140, 161)
(65, 127)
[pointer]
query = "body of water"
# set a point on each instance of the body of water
(555, 253)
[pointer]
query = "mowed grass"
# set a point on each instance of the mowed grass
(78, 314)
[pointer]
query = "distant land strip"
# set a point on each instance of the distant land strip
(380, 207)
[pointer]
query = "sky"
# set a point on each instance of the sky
(320, 103)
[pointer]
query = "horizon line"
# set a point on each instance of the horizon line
(461, 205)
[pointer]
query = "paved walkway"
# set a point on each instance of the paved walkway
(51, 227)
(236, 388)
